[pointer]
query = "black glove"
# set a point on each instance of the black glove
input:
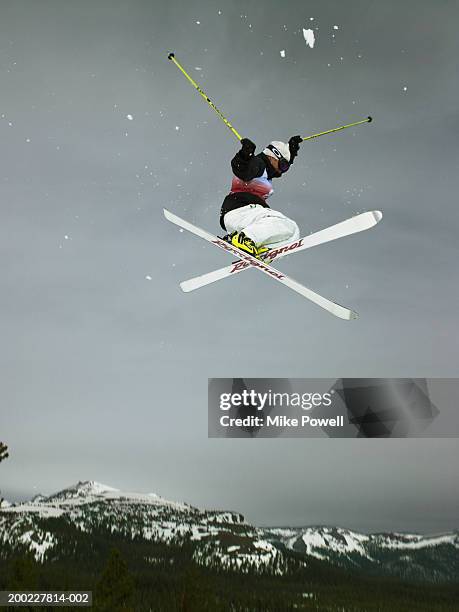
(248, 148)
(294, 146)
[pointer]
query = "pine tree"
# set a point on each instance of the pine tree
(115, 589)
(197, 594)
(3, 455)
(3, 451)
(23, 574)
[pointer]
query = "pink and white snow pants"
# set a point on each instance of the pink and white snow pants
(263, 225)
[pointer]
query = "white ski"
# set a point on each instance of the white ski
(350, 226)
(332, 307)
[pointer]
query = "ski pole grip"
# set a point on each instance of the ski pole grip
(370, 119)
(171, 55)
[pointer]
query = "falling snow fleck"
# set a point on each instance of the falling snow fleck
(309, 37)
(148, 277)
(405, 88)
(282, 53)
(198, 23)
(177, 127)
(130, 117)
(335, 27)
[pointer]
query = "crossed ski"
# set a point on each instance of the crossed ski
(345, 228)
(348, 227)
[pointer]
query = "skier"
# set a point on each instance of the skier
(251, 225)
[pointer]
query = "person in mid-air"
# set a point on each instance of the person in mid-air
(251, 225)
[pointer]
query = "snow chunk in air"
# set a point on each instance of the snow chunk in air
(282, 53)
(309, 37)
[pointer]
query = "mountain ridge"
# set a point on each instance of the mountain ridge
(219, 539)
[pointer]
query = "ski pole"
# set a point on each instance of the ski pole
(171, 56)
(343, 127)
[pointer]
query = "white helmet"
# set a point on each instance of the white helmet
(278, 149)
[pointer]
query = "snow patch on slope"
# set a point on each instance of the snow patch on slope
(89, 491)
(403, 541)
(38, 542)
(338, 540)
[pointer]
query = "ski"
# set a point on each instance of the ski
(348, 227)
(336, 309)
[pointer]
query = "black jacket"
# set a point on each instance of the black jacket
(246, 168)
(249, 168)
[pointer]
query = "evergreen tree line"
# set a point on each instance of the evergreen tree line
(130, 584)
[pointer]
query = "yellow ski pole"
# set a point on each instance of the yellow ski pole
(171, 56)
(343, 127)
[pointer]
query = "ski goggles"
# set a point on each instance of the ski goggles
(284, 164)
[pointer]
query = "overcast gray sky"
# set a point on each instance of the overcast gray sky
(104, 372)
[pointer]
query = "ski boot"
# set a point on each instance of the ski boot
(244, 243)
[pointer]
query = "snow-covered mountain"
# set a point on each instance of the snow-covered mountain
(218, 538)
(71, 519)
(432, 557)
